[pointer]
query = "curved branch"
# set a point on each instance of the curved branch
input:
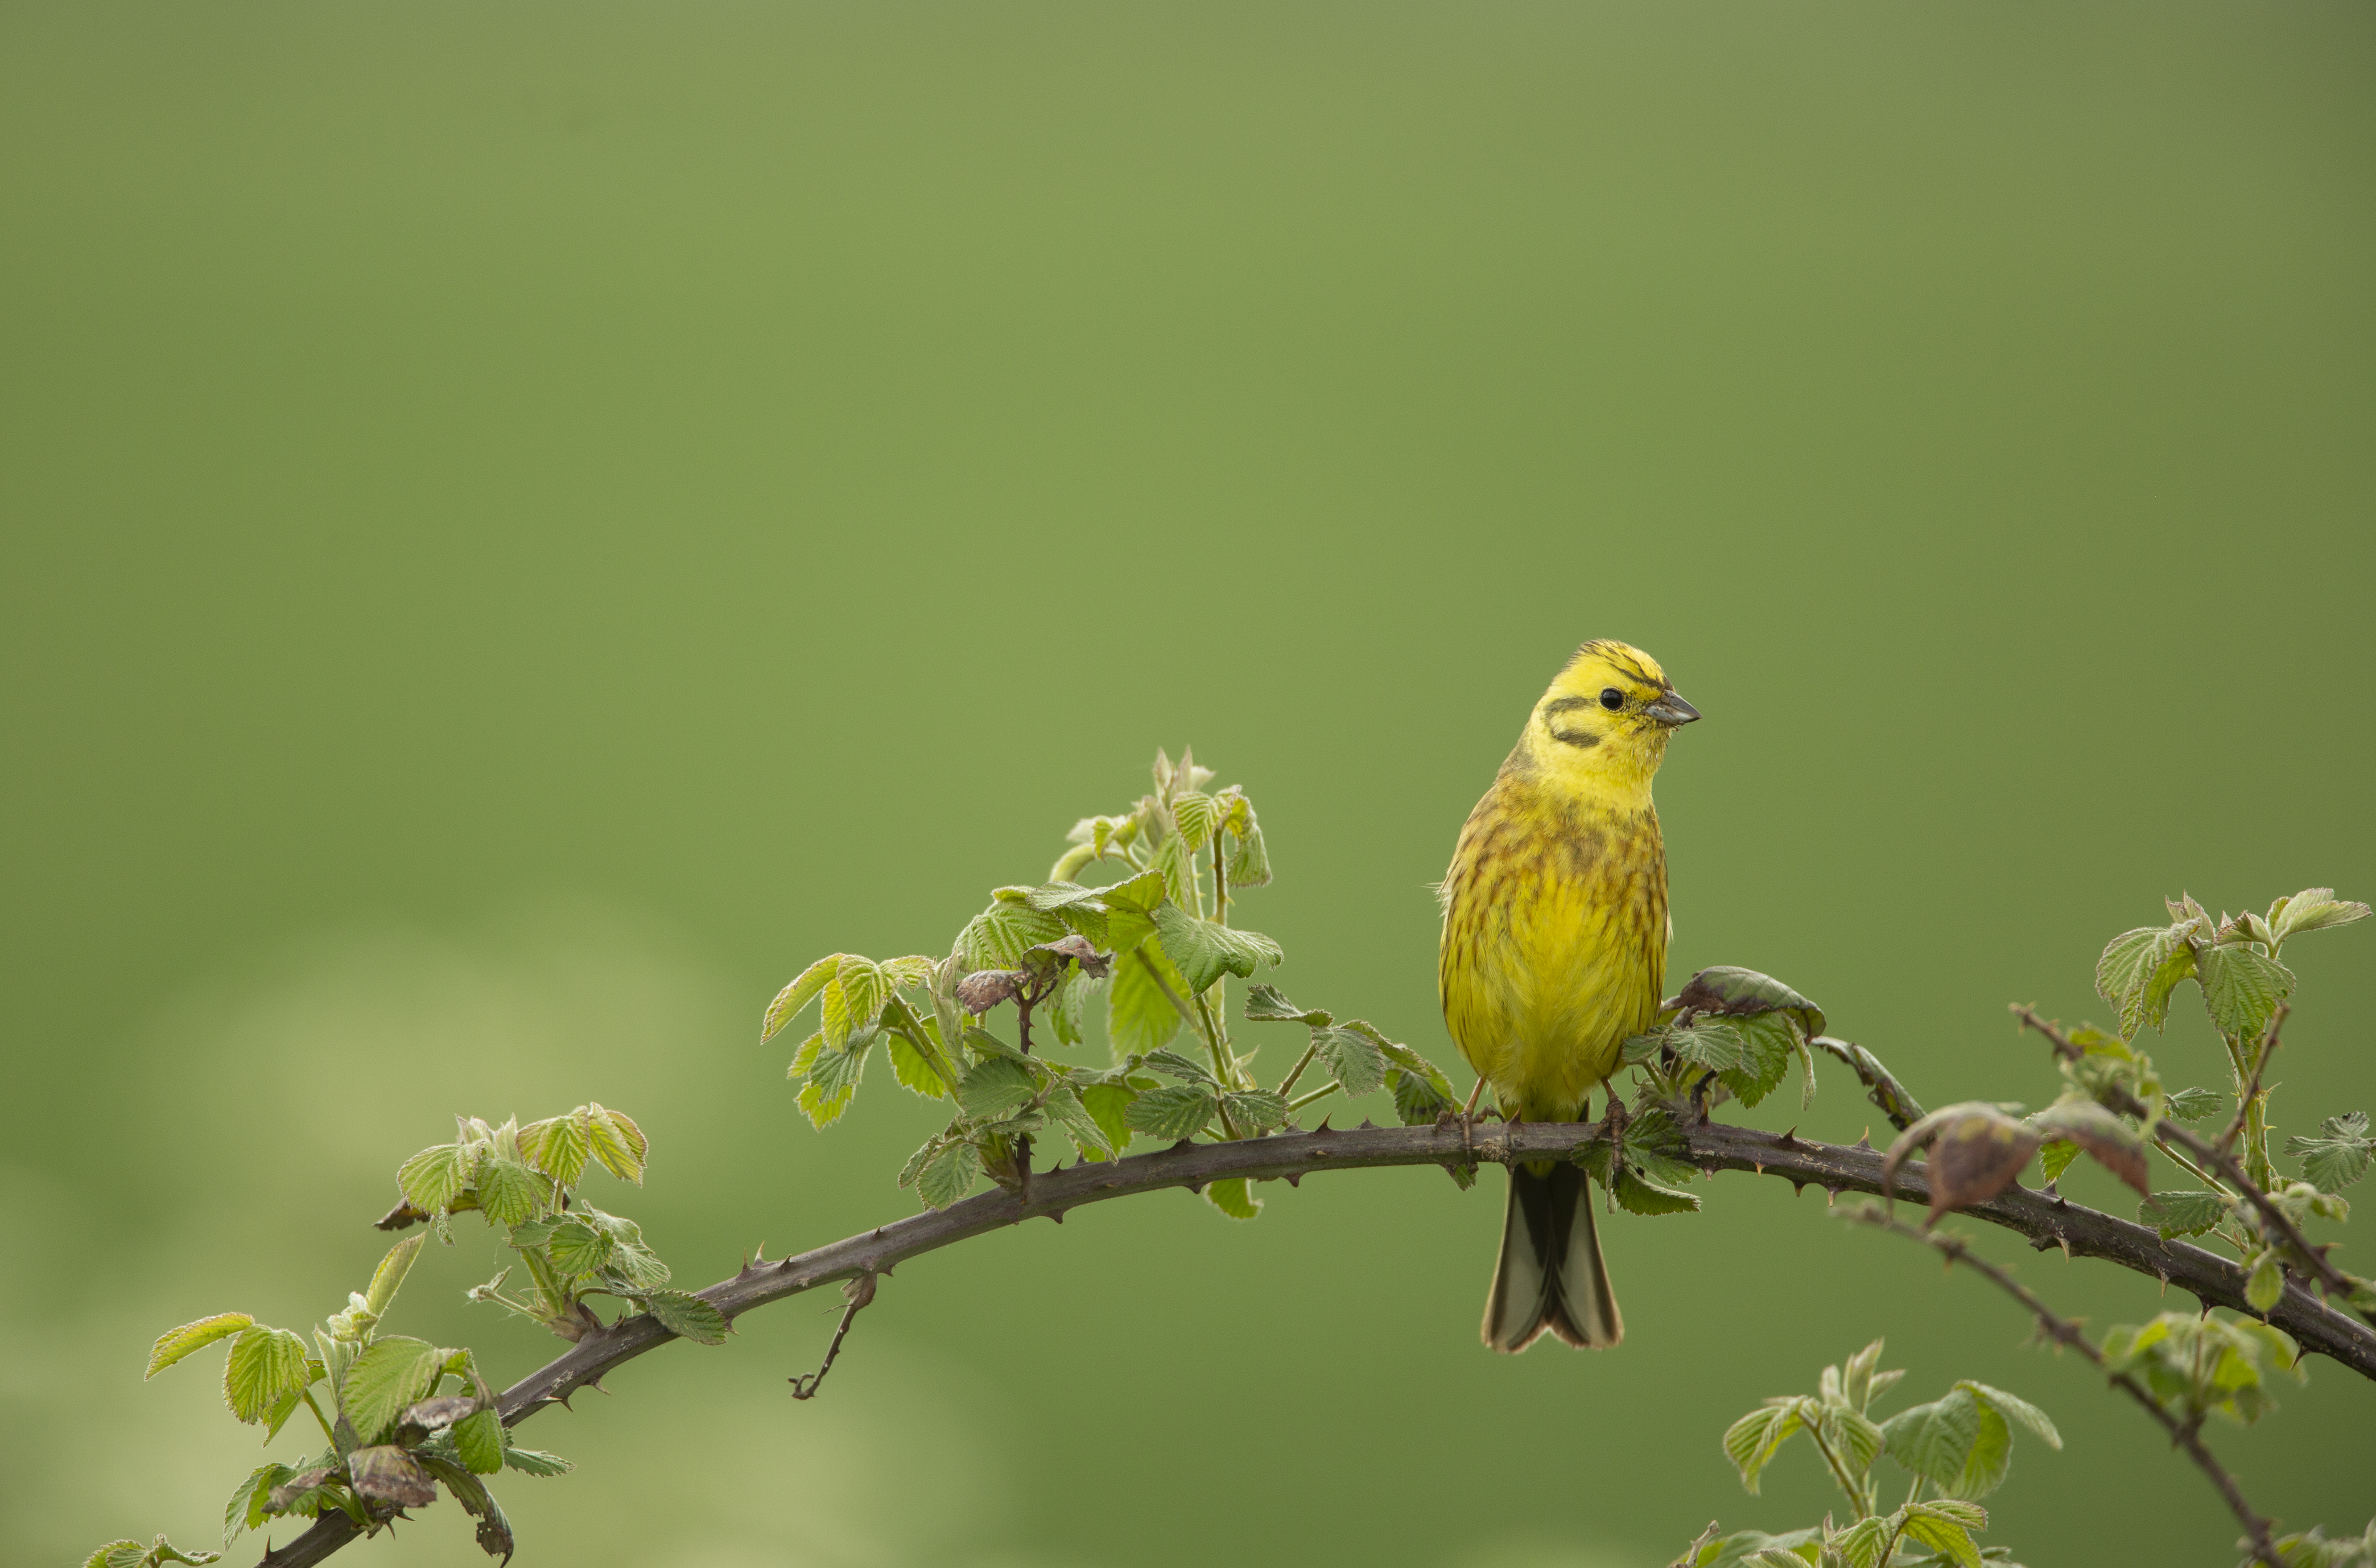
(1714, 1145)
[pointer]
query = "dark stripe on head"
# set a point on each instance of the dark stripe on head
(1563, 705)
(1575, 737)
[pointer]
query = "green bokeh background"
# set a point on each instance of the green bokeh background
(527, 523)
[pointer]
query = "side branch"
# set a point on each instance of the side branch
(1714, 1145)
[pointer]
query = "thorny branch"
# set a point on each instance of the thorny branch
(2269, 1043)
(2310, 1259)
(2062, 1331)
(2046, 1221)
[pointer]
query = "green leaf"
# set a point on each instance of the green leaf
(1233, 1197)
(1351, 1059)
(1110, 1104)
(2336, 1155)
(560, 1146)
(478, 1439)
(2194, 1104)
(2126, 961)
(1175, 1110)
(949, 1175)
(1172, 1064)
(507, 1190)
(2055, 1158)
(1205, 951)
(998, 937)
(1247, 860)
(1936, 1528)
(387, 1474)
(248, 1506)
(995, 1087)
(2312, 908)
(433, 1179)
(687, 1316)
(2266, 1285)
(536, 1462)
(1636, 1195)
(1066, 1108)
(1130, 911)
(1254, 1111)
(2018, 1411)
(2186, 1213)
(2241, 987)
(795, 996)
(1264, 1005)
(1196, 814)
(391, 1373)
(176, 1343)
(1935, 1440)
(833, 1081)
(1140, 1017)
(1420, 1098)
(908, 1065)
(579, 1250)
(1752, 1442)
(264, 1365)
(389, 1275)
(619, 1144)
(1068, 1008)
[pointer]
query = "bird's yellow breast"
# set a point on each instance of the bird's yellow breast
(1554, 943)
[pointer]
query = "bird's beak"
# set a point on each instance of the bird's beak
(1672, 711)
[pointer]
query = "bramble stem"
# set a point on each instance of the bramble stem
(2184, 1434)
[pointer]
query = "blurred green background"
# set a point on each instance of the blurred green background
(526, 524)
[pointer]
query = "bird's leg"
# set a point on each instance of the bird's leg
(1617, 1123)
(1469, 1121)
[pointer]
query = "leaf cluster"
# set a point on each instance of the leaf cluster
(2207, 1365)
(1730, 1033)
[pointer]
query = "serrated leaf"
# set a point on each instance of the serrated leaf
(2053, 1160)
(2194, 1104)
(389, 1276)
(949, 1175)
(1351, 1059)
(908, 1065)
(2241, 989)
(247, 1507)
(1172, 1064)
(390, 1374)
(1935, 1440)
(2184, 1213)
(998, 937)
(1266, 1004)
(559, 1145)
(1110, 1104)
(1418, 1098)
(1233, 1197)
(508, 1191)
(478, 1439)
(619, 1144)
(1752, 1442)
(1140, 1017)
(1204, 951)
(1254, 1111)
(176, 1343)
(2338, 1155)
(833, 1081)
(1175, 1110)
(1195, 815)
(536, 1462)
(995, 1087)
(687, 1316)
(2266, 1284)
(265, 1365)
(433, 1179)
(1636, 1195)
(1991, 1460)
(579, 1250)
(2313, 909)
(1066, 1109)
(2112, 1142)
(1927, 1524)
(797, 995)
(2018, 1411)
(1247, 860)
(1724, 990)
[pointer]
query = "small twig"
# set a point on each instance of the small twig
(2269, 1043)
(2062, 1331)
(2311, 1260)
(1301, 1063)
(859, 1293)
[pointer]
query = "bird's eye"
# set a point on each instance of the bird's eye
(1611, 698)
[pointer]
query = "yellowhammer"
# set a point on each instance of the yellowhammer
(1553, 952)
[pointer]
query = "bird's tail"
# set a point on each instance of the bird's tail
(1550, 1277)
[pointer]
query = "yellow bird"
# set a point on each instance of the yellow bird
(1553, 952)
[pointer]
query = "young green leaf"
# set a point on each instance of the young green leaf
(1247, 860)
(390, 1273)
(478, 1439)
(535, 1461)
(2312, 908)
(176, 1343)
(2194, 1104)
(1636, 1195)
(2183, 1212)
(250, 1500)
(914, 1073)
(578, 1251)
(1264, 1005)
(2266, 1284)
(1935, 1441)
(433, 1179)
(1233, 1197)
(2336, 1155)
(1172, 1112)
(1752, 1442)
(390, 1374)
(1110, 1105)
(2241, 989)
(1945, 1532)
(507, 1190)
(687, 1316)
(833, 1080)
(264, 1365)
(998, 937)
(1350, 1058)
(949, 1175)
(1066, 1108)
(1254, 1111)
(797, 995)
(1205, 951)
(619, 1144)
(1726, 991)
(1140, 1014)
(994, 1088)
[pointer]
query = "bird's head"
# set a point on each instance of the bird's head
(1607, 717)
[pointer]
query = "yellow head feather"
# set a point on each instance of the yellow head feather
(1603, 724)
